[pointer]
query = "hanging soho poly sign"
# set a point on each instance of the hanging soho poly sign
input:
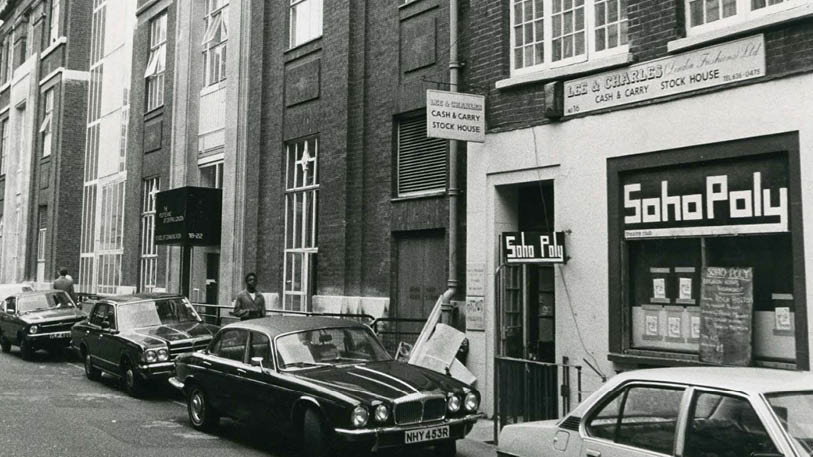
(534, 247)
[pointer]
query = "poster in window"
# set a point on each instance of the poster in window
(783, 318)
(726, 315)
(673, 327)
(685, 288)
(651, 325)
(659, 288)
(694, 327)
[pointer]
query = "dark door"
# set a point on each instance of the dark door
(93, 337)
(421, 273)
(261, 390)
(227, 357)
(7, 327)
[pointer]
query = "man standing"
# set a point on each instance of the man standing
(249, 302)
(65, 282)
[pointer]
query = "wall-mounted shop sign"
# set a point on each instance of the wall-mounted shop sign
(188, 216)
(534, 247)
(716, 198)
(713, 66)
(455, 116)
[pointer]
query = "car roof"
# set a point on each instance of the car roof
(742, 379)
(277, 325)
(29, 293)
(133, 298)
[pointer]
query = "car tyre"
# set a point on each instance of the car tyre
(93, 373)
(26, 350)
(316, 440)
(130, 379)
(201, 414)
(446, 449)
(5, 344)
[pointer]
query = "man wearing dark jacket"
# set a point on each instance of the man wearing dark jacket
(249, 303)
(65, 282)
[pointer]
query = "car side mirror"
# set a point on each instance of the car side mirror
(257, 362)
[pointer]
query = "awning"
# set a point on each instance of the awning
(188, 216)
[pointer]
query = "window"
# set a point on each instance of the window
(99, 314)
(157, 62)
(231, 345)
(211, 175)
(725, 426)
(704, 15)
(41, 239)
(306, 21)
(149, 252)
(214, 41)
(640, 416)
(4, 146)
(422, 160)
(301, 197)
(110, 246)
(260, 347)
(54, 20)
(47, 123)
(9, 56)
(4, 58)
(551, 33)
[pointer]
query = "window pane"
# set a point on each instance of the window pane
(603, 424)
(649, 419)
(557, 49)
(529, 33)
(518, 36)
(529, 11)
(612, 11)
(567, 46)
(567, 20)
(529, 54)
(557, 26)
(712, 10)
(557, 6)
(518, 58)
(696, 8)
(540, 53)
(518, 13)
(540, 10)
(567, 4)
(579, 45)
(600, 13)
(757, 4)
(600, 45)
(622, 34)
(723, 426)
(729, 8)
(612, 36)
(579, 19)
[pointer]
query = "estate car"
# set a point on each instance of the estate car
(328, 380)
(686, 412)
(37, 320)
(137, 337)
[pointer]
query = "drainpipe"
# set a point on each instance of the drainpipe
(453, 192)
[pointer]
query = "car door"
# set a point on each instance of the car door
(93, 336)
(7, 319)
(639, 420)
(261, 389)
(108, 347)
(227, 357)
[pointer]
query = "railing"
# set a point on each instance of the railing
(527, 390)
(394, 330)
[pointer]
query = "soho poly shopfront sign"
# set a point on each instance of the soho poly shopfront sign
(715, 198)
(455, 116)
(534, 247)
(709, 67)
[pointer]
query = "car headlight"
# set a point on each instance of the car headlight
(382, 413)
(150, 356)
(359, 416)
(33, 329)
(453, 403)
(163, 355)
(471, 402)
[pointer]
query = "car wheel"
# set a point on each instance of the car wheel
(26, 350)
(315, 435)
(446, 449)
(130, 379)
(201, 414)
(5, 344)
(91, 372)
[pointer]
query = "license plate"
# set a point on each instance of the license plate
(426, 434)
(60, 335)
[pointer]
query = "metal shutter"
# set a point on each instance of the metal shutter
(421, 160)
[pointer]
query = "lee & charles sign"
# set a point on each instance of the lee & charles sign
(455, 116)
(709, 67)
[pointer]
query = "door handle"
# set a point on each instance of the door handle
(241, 371)
(208, 364)
(592, 453)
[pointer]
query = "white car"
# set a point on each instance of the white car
(682, 412)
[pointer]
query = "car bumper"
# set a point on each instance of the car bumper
(395, 436)
(49, 339)
(157, 371)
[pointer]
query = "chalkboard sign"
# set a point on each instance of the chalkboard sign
(726, 310)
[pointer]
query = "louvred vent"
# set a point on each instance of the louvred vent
(421, 160)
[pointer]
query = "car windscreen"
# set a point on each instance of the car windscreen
(795, 413)
(154, 313)
(329, 346)
(43, 301)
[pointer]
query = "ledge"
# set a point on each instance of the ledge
(753, 25)
(59, 41)
(213, 88)
(406, 198)
(617, 60)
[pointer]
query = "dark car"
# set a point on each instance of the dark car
(327, 380)
(37, 320)
(136, 337)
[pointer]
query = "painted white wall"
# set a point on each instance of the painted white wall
(574, 153)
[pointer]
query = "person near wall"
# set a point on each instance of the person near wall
(249, 303)
(65, 282)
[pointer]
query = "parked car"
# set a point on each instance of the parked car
(328, 380)
(137, 337)
(37, 320)
(687, 412)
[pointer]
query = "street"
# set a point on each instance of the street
(49, 408)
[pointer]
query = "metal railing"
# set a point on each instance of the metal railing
(394, 330)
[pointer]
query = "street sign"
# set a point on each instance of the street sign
(455, 116)
(534, 247)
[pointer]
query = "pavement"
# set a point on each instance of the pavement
(49, 408)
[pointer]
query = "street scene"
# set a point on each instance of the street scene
(514, 228)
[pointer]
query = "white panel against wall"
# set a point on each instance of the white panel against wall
(212, 115)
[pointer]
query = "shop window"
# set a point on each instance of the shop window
(421, 161)
(305, 21)
(301, 243)
(214, 41)
(154, 74)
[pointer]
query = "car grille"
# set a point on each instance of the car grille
(53, 327)
(182, 347)
(411, 412)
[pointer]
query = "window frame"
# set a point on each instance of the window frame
(4, 139)
(271, 354)
(216, 343)
(154, 74)
(590, 52)
(47, 126)
(744, 13)
(54, 21)
(148, 250)
(210, 50)
(292, 19)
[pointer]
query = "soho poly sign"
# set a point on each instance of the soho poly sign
(534, 247)
(455, 116)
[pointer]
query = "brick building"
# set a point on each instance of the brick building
(664, 139)
(43, 71)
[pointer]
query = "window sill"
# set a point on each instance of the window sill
(617, 60)
(405, 198)
(153, 113)
(59, 42)
(753, 25)
(212, 88)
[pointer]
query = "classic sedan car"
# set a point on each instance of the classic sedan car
(137, 337)
(685, 412)
(327, 380)
(37, 320)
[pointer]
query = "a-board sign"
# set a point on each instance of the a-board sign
(726, 310)
(534, 247)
